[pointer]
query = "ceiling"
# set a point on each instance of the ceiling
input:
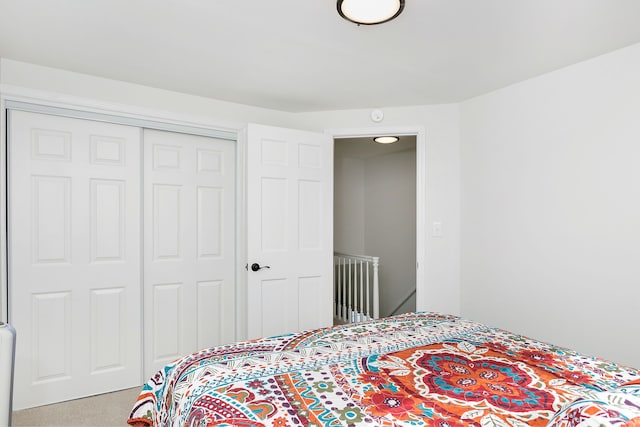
(300, 55)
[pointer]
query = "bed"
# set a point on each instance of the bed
(417, 369)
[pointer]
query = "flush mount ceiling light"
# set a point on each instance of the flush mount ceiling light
(370, 12)
(386, 139)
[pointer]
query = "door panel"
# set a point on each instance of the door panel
(74, 265)
(289, 227)
(189, 266)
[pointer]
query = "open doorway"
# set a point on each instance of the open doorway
(375, 213)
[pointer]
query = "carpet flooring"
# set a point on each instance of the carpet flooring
(105, 410)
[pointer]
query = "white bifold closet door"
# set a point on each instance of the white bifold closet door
(74, 256)
(189, 238)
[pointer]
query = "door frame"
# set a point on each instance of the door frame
(421, 192)
(55, 103)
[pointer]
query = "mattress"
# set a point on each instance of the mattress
(418, 369)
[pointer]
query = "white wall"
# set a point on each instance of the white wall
(348, 206)
(551, 207)
(390, 224)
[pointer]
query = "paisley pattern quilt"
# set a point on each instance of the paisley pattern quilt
(419, 369)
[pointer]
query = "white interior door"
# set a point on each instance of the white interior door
(289, 230)
(189, 265)
(74, 266)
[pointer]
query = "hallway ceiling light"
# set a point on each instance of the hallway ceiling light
(370, 12)
(386, 139)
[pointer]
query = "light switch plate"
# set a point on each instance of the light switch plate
(436, 229)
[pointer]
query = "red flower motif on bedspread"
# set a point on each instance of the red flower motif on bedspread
(401, 406)
(499, 383)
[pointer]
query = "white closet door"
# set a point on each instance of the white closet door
(189, 263)
(74, 265)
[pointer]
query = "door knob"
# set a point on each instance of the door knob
(255, 267)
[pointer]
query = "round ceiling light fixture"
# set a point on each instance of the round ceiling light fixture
(370, 12)
(386, 139)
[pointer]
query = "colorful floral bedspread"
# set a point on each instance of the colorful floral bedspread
(420, 369)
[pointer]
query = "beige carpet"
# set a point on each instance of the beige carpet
(111, 409)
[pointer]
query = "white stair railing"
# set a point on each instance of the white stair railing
(355, 288)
